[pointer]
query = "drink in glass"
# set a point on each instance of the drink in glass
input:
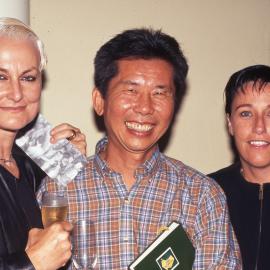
(54, 207)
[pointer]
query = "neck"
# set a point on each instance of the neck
(6, 144)
(125, 162)
(256, 175)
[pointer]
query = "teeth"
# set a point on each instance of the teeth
(139, 127)
(258, 143)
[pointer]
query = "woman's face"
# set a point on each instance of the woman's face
(20, 83)
(249, 123)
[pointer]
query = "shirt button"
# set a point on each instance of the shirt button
(125, 239)
(126, 200)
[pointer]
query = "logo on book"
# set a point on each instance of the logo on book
(167, 260)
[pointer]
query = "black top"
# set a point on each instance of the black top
(19, 212)
(249, 208)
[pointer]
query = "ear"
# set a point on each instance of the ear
(98, 102)
(229, 124)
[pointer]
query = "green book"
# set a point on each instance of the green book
(171, 250)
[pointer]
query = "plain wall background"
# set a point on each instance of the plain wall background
(15, 8)
(217, 37)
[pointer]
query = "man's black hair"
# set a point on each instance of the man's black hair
(139, 44)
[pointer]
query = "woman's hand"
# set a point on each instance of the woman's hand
(73, 134)
(49, 249)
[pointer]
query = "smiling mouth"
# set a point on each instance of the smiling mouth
(139, 127)
(12, 109)
(259, 143)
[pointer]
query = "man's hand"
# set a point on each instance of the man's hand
(73, 134)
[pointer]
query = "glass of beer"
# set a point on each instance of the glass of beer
(54, 206)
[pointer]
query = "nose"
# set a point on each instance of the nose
(259, 125)
(144, 104)
(15, 92)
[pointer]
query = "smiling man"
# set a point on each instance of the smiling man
(129, 188)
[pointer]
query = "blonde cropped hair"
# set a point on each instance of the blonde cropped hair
(14, 28)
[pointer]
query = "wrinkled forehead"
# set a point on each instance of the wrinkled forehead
(7, 41)
(31, 40)
(18, 53)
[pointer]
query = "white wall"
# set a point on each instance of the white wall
(218, 38)
(15, 8)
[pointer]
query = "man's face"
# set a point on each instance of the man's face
(139, 105)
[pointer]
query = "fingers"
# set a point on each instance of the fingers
(63, 131)
(72, 137)
(59, 231)
(63, 225)
(80, 142)
(67, 131)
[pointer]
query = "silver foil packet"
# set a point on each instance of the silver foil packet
(60, 161)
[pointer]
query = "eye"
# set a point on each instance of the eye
(131, 90)
(159, 92)
(2, 77)
(245, 114)
(162, 93)
(29, 78)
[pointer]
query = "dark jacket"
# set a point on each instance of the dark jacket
(14, 224)
(249, 208)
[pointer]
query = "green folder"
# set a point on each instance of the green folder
(171, 250)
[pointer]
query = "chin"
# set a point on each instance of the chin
(259, 163)
(15, 126)
(140, 148)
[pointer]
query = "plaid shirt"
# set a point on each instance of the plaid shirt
(126, 222)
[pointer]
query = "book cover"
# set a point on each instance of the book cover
(171, 250)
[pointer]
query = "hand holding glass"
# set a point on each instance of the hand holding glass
(54, 207)
(84, 245)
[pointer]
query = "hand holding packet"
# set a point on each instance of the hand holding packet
(60, 161)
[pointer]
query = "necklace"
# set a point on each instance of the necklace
(7, 160)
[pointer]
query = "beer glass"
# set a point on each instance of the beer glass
(54, 206)
(84, 251)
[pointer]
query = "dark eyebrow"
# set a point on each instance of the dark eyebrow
(243, 105)
(247, 105)
(129, 82)
(30, 69)
(163, 86)
(3, 69)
